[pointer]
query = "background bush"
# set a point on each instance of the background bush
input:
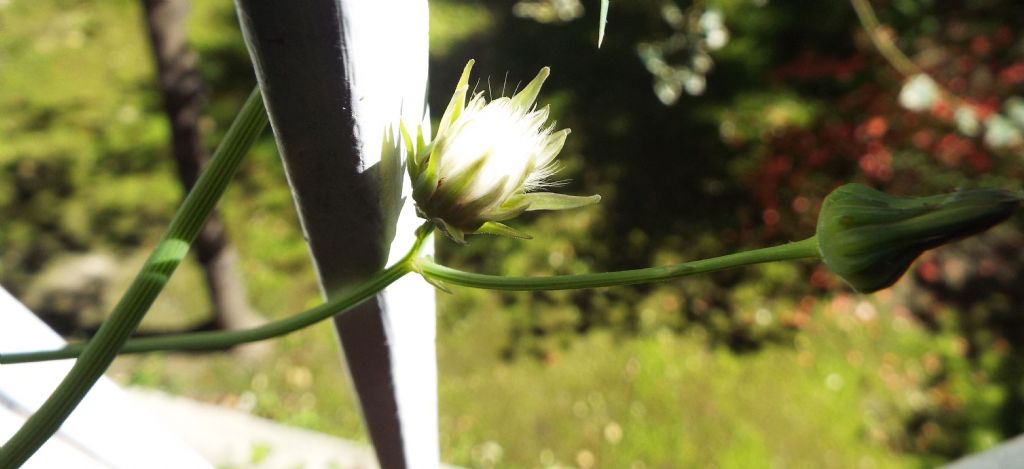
(771, 366)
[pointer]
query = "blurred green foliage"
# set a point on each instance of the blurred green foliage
(763, 367)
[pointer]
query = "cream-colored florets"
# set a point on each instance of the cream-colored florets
(488, 163)
(511, 141)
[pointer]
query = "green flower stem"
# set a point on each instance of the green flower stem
(225, 339)
(101, 350)
(882, 42)
(806, 249)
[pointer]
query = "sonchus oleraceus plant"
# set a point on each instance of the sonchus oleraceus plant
(490, 161)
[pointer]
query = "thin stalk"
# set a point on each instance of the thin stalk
(224, 339)
(806, 249)
(168, 253)
(892, 54)
(883, 43)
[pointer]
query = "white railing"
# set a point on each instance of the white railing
(335, 74)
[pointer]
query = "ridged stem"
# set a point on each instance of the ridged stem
(129, 311)
(215, 340)
(806, 249)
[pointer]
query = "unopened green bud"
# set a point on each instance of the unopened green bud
(870, 238)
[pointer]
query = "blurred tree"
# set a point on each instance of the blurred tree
(181, 88)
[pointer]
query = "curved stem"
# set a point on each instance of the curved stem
(883, 43)
(887, 48)
(125, 318)
(225, 339)
(806, 249)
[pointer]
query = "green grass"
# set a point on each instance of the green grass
(669, 401)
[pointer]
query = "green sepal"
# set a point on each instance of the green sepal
(418, 151)
(534, 201)
(442, 204)
(450, 190)
(471, 212)
(554, 145)
(501, 229)
(422, 147)
(526, 97)
(410, 160)
(425, 182)
(554, 201)
(453, 233)
(406, 138)
(429, 167)
(869, 238)
(458, 101)
(505, 212)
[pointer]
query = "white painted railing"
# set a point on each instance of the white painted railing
(335, 74)
(107, 430)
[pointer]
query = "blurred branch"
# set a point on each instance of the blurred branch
(181, 89)
(882, 41)
(999, 132)
(885, 45)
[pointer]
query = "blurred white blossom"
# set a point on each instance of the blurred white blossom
(966, 121)
(548, 11)
(919, 93)
(696, 32)
(1001, 133)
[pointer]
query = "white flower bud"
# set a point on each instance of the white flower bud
(487, 162)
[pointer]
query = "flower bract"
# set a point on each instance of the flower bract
(870, 238)
(489, 162)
